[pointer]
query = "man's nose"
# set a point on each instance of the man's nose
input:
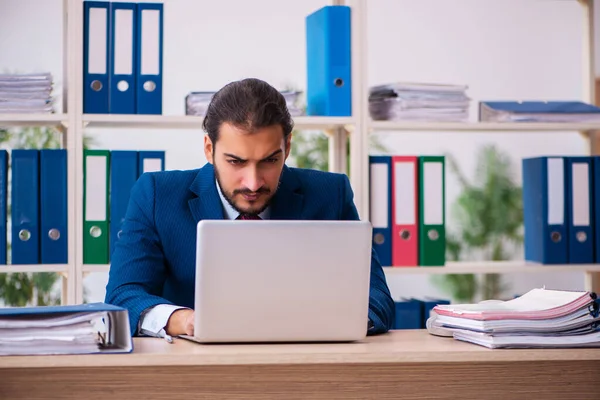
(252, 179)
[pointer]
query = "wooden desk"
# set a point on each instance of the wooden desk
(401, 364)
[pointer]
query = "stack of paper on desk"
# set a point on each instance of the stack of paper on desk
(26, 93)
(80, 329)
(540, 318)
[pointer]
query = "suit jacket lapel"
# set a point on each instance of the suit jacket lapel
(207, 204)
(288, 202)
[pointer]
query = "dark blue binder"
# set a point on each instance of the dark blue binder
(3, 206)
(380, 174)
(545, 210)
(123, 175)
(53, 207)
(96, 51)
(408, 314)
(150, 161)
(596, 207)
(329, 62)
(25, 210)
(149, 82)
(579, 209)
(123, 36)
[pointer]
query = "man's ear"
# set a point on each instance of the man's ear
(208, 149)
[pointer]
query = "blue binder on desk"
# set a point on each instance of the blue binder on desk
(329, 62)
(25, 214)
(380, 192)
(96, 51)
(407, 314)
(3, 206)
(123, 58)
(101, 328)
(149, 58)
(579, 209)
(53, 207)
(545, 210)
(123, 175)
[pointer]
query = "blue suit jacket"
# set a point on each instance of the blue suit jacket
(154, 259)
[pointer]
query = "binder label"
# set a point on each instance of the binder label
(556, 191)
(96, 189)
(150, 42)
(433, 210)
(97, 41)
(404, 177)
(123, 51)
(581, 194)
(379, 198)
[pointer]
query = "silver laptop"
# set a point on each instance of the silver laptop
(282, 281)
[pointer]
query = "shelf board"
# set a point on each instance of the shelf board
(12, 120)
(493, 267)
(194, 122)
(95, 267)
(482, 126)
(14, 268)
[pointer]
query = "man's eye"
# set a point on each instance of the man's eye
(235, 162)
(271, 160)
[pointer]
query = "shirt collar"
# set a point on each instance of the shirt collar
(231, 212)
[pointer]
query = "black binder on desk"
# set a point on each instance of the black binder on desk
(75, 329)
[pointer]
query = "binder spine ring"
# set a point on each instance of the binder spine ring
(432, 234)
(122, 86)
(404, 234)
(338, 82)
(378, 238)
(54, 234)
(149, 86)
(581, 236)
(95, 231)
(556, 237)
(24, 235)
(96, 85)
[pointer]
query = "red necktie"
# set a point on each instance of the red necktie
(249, 217)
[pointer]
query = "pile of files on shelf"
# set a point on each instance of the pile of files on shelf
(541, 318)
(26, 93)
(561, 209)
(419, 102)
(538, 111)
(196, 103)
(407, 198)
(109, 177)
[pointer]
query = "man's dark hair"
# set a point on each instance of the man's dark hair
(249, 104)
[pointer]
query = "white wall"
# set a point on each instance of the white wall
(508, 49)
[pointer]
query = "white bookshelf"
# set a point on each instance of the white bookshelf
(357, 128)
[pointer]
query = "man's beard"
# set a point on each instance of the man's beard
(229, 196)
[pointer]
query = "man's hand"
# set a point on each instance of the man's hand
(181, 322)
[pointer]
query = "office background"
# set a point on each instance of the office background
(509, 49)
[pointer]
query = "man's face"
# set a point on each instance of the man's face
(248, 166)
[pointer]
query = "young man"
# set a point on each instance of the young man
(248, 140)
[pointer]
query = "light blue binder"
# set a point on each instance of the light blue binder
(96, 52)
(25, 215)
(123, 48)
(329, 62)
(53, 207)
(149, 58)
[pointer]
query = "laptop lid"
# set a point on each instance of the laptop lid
(274, 281)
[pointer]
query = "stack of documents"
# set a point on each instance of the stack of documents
(538, 111)
(196, 103)
(29, 93)
(419, 102)
(539, 319)
(80, 329)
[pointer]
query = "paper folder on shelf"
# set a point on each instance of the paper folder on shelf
(53, 207)
(545, 214)
(25, 210)
(405, 211)
(432, 215)
(96, 28)
(123, 49)
(381, 203)
(96, 166)
(3, 206)
(579, 208)
(149, 58)
(75, 329)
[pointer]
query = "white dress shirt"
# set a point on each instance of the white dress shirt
(154, 320)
